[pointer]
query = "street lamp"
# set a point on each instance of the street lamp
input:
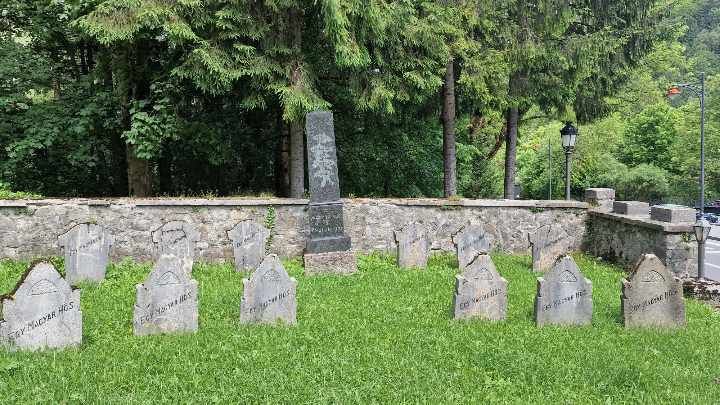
(568, 134)
(702, 230)
(698, 89)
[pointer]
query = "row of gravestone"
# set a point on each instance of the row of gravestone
(86, 246)
(651, 296)
(413, 245)
(44, 310)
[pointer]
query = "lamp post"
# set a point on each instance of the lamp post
(568, 134)
(697, 89)
(702, 230)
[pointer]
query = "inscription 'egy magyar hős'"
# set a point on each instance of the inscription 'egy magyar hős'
(86, 247)
(269, 294)
(248, 240)
(176, 238)
(167, 302)
(564, 296)
(470, 241)
(42, 312)
(652, 296)
(480, 291)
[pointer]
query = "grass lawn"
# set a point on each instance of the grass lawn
(382, 335)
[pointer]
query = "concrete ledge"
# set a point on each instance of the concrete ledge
(644, 222)
(240, 202)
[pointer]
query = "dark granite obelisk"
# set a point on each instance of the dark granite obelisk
(328, 249)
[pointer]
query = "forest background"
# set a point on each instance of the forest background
(430, 98)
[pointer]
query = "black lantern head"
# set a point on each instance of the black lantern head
(569, 135)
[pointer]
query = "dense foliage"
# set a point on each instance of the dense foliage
(188, 97)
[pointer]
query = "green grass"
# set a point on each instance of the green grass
(382, 335)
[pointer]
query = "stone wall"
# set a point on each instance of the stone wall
(30, 229)
(623, 239)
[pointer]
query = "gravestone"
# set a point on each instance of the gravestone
(248, 240)
(564, 296)
(86, 247)
(167, 302)
(652, 296)
(413, 245)
(544, 248)
(43, 311)
(175, 238)
(269, 294)
(328, 249)
(480, 291)
(470, 241)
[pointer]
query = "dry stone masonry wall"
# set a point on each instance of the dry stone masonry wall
(30, 229)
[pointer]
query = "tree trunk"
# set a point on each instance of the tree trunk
(511, 135)
(297, 160)
(448, 120)
(282, 161)
(139, 179)
(297, 146)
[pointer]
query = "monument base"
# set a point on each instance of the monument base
(339, 243)
(330, 263)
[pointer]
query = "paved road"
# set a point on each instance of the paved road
(712, 254)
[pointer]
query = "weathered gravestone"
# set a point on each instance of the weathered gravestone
(167, 302)
(328, 249)
(470, 241)
(248, 240)
(544, 248)
(43, 311)
(175, 238)
(480, 291)
(269, 294)
(652, 297)
(564, 296)
(413, 245)
(86, 247)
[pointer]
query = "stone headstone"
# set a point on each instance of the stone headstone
(248, 240)
(327, 230)
(652, 297)
(564, 296)
(175, 238)
(470, 241)
(632, 208)
(672, 213)
(543, 251)
(413, 245)
(43, 311)
(269, 294)
(480, 291)
(167, 302)
(86, 247)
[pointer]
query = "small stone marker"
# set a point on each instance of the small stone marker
(480, 291)
(564, 296)
(470, 241)
(652, 297)
(175, 238)
(542, 254)
(269, 294)
(167, 302)
(412, 246)
(248, 240)
(328, 249)
(86, 248)
(672, 213)
(43, 311)
(632, 208)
